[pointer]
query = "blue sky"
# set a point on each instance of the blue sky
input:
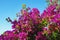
(9, 8)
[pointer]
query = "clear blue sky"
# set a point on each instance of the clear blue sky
(9, 8)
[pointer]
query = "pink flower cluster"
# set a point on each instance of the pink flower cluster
(32, 25)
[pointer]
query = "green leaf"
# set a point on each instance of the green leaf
(23, 6)
(44, 22)
(54, 34)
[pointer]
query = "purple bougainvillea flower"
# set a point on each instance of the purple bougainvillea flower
(31, 25)
(51, 8)
(40, 36)
(44, 14)
(23, 35)
(56, 18)
(9, 35)
(35, 10)
(50, 0)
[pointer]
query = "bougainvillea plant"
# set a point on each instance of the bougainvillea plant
(31, 25)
